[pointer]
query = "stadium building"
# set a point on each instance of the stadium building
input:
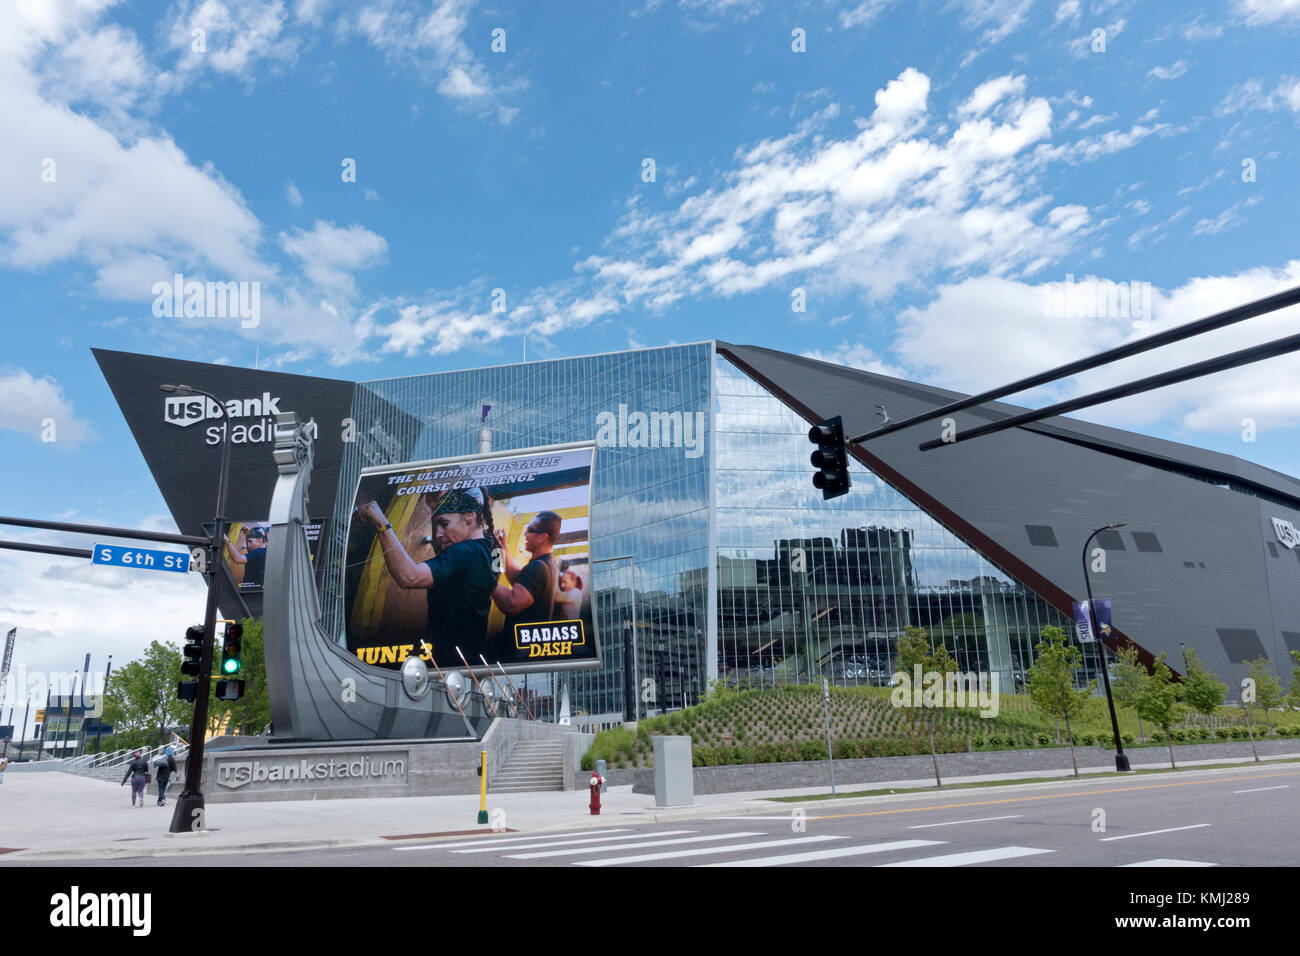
(730, 566)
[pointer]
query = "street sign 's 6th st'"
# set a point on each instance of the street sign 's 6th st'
(150, 558)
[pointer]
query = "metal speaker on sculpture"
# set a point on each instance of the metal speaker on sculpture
(457, 689)
(415, 678)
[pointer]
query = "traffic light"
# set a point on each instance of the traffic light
(232, 648)
(191, 662)
(229, 689)
(830, 458)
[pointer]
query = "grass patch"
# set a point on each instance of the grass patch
(788, 724)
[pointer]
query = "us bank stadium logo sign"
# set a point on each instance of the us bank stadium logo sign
(252, 419)
(312, 771)
(1286, 532)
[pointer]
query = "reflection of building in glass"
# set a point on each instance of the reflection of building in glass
(810, 588)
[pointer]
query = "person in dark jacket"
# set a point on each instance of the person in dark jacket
(137, 771)
(164, 767)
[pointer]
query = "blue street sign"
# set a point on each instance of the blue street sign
(119, 556)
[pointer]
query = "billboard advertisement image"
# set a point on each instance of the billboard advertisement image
(488, 554)
(245, 551)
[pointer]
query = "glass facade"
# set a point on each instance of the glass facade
(712, 553)
(809, 588)
(649, 500)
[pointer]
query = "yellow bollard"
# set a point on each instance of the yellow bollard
(482, 787)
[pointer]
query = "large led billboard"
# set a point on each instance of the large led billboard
(466, 559)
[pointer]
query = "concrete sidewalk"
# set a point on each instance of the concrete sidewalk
(52, 816)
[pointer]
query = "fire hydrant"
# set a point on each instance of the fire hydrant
(595, 783)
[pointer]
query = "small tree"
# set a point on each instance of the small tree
(1203, 691)
(1159, 702)
(913, 651)
(1294, 692)
(1051, 682)
(1126, 686)
(252, 712)
(1269, 695)
(140, 696)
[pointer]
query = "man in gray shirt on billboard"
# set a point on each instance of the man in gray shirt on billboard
(531, 597)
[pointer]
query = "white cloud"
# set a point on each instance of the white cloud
(1067, 12)
(1198, 31)
(1261, 12)
(856, 355)
(1228, 219)
(235, 34)
(28, 404)
(863, 14)
(896, 204)
(998, 18)
(292, 194)
(1252, 95)
(736, 9)
(984, 332)
(330, 254)
(1172, 72)
(430, 40)
(1082, 47)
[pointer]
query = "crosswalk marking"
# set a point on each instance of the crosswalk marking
(1129, 836)
(951, 823)
(971, 856)
(628, 846)
(1171, 863)
(569, 842)
(828, 854)
(504, 841)
(705, 851)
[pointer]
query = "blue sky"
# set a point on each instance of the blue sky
(920, 174)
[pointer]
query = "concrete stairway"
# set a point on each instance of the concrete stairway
(532, 765)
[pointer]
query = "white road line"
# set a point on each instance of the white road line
(787, 818)
(830, 854)
(496, 841)
(569, 842)
(1171, 863)
(630, 846)
(922, 826)
(705, 851)
(1262, 789)
(971, 856)
(1129, 836)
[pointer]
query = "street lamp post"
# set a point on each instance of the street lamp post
(1121, 758)
(189, 806)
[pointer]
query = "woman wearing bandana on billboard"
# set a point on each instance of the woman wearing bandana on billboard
(459, 580)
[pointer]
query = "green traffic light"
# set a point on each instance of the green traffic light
(230, 666)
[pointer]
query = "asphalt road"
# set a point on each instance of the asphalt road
(1225, 818)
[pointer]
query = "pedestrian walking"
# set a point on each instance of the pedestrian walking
(164, 766)
(137, 771)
